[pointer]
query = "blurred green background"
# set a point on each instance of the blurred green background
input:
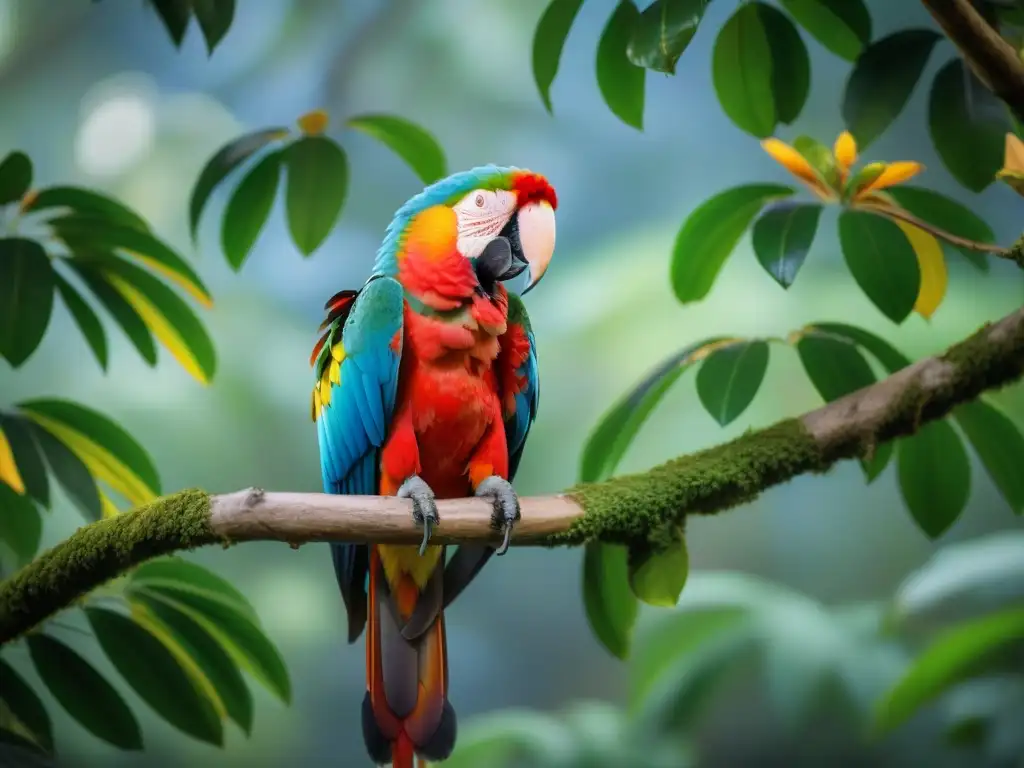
(96, 94)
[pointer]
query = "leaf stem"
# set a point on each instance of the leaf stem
(909, 218)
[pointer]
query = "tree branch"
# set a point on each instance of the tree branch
(992, 59)
(645, 508)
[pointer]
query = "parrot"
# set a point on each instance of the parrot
(426, 387)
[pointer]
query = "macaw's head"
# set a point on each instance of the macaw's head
(464, 235)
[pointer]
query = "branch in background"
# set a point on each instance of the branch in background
(1016, 252)
(630, 509)
(893, 212)
(992, 59)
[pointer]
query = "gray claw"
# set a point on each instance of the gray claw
(506, 507)
(424, 508)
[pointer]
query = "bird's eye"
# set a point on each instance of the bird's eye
(479, 201)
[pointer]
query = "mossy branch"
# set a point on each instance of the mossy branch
(639, 509)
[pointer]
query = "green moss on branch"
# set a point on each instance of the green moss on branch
(99, 552)
(1015, 252)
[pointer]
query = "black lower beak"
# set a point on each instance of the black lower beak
(502, 258)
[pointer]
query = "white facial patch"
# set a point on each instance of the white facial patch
(481, 215)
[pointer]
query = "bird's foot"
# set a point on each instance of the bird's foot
(506, 507)
(424, 508)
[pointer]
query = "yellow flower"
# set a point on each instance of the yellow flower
(845, 151)
(1012, 172)
(798, 165)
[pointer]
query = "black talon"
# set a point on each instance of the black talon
(503, 548)
(424, 509)
(427, 525)
(506, 508)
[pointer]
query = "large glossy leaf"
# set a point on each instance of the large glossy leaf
(155, 675)
(790, 64)
(87, 202)
(120, 310)
(549, 41)
(935, 476)
(90, 233)
(26, 297)
(782, 237)
(658, 578)
(1000, 446)
(84, 693)
(662, 33)
(201, 654)
(882, 261)
(26, 456)
(411, 142)
(610, 604)
(941, 211)
(178, 573)
(741, 69)
(214, 17)
(316, 189)
(85, 318)
(21, 527)
(225, 160)
(175, 14)
(842, 26)
(890, 357)
(70, 472)
(947, 661)
(102, 443)
(169, 318)
(15, 177)
(248, 209)
(967, 125)
(25, 705)
(240, 636)
(620, 80)
(882, 80)
(618, 427)
(730, 377)
(710, 234)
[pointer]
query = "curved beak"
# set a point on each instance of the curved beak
(537, 239)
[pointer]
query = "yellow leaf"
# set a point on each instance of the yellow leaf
(797, 165)
(845, 150)
(177, 278)
(101, 463)
(8, 467)
(894, 173)
(313, 123)
(1013, 179)
(933, 269)
(163, 330)
(1014, 158)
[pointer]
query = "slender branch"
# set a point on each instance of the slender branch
(992, 59)
(636, 509)
(961, 242)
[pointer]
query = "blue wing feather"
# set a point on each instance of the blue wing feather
(352, 425)
(518, 423)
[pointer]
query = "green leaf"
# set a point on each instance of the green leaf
(782, 237)
(210, 658)
(178, 573)
(84, 693)
(248, 209)
(16, 751)
(26, 297)
(729, 379)
(316, 189)
(620, 80)
(85, 318)
(92, 425)
(935, 476)
(169, 318)
(240, 636)
(88, 203)
(15, 177)
(935, 208)
(662, 33)
(947, 661)
(27, 456)
(710, 234)
(882, 80)
(658, 578)
(610, 604)
(615, 432)
(494, 739)
(120, 310)
(20, 524)
(214, 17)
(790, 64)
(882, 261)
(1000, 446)
(225, 160)
(842, 26)
(155, 675)
(84, 233)
(25, 705)
(175, 15)
(820, 157)
(70, 472)
(876, 462)
(411, 142)
(968, 125)
(741, 69)
(890, 357)
(549, 41)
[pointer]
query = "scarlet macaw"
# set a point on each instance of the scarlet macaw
(426, 387)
